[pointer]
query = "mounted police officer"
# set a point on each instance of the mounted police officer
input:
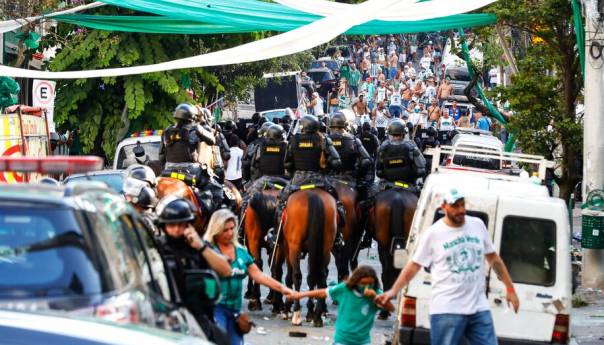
(248, 155)
(309, 154)
(267, 164)
(178, 152)
(399, 160)
(183, 250)
(204, 117)
(355, 159)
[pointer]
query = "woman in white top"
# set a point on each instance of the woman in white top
(233, 169)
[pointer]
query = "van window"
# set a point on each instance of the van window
(528, 248)
(483, 216)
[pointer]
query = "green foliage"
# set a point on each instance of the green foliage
(103, 108)
(545, 92)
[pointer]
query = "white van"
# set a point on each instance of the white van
(124, 155)
(474, 139)
(531, 233)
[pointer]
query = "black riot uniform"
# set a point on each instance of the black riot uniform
(181, 257)
(399, 160)
(248, 155)
(429, 140)
(303, 161)
(268, 168)
(355, 159)
(178, 152)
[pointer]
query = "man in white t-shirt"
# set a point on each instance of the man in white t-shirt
(455, 249)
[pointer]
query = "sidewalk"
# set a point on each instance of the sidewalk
(587, 322)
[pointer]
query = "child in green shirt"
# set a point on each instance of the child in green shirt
(356, 306)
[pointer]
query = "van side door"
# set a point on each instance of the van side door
(532, 239)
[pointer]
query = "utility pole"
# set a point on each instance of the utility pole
(593, 137)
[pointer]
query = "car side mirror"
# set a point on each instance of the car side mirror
(401, 257)
(203, 284)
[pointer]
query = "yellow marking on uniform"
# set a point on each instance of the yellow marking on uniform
(278, 186)
(305, 145)
(396, 161)
(307, 186)
(174, 175)
(337, 143)
(181, 177)
(401, 184)
(273, 149)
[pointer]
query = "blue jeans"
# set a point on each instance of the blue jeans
(395, 111)
(225, 319)
(449, 329)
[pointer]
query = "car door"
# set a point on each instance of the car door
(529, 239)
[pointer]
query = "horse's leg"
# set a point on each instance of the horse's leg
(277, 273)
(253, 240)
(310, 305)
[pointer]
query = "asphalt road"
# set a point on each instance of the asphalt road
(272, 329)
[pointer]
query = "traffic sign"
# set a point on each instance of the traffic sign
(43, 95)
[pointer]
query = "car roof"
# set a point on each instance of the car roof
(133, 140)
(477, 140)
(99, 172)
(46, 328)
(473, 182)
(319, 69)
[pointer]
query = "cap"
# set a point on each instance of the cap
(452, 196)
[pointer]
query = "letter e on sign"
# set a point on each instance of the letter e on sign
(43, 93)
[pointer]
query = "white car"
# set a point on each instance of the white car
(125, 154)
(530, 231)
(474, 139)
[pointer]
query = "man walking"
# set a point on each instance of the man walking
(455, 248)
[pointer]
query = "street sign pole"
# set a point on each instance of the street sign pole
(593, 137)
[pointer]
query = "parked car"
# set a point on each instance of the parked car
(326, 62)
(82, 249)
(275, 115)
(56, 329)
(530, 231)
(324, 79)
(129, 151)
(459, 78)
(114, 179)
(465, 139)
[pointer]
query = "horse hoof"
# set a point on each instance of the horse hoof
(247, 295)
(284, 316)
(297, 318)
(254, 305)
(309, 318)
(267, 301)
(317, 323)
(383, 315)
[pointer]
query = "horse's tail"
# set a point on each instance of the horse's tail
(397, 210)
(264, 206)
(315, 230)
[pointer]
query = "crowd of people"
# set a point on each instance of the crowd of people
(400, 77)
(398, 112)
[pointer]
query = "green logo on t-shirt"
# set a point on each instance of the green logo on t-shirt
(464, 257)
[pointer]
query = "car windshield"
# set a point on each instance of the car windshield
(468, 160)
(115, 181)
(271, 115)
(331, 64)
(44, 253)
(319, 77)
(458, 75)
(126, 157)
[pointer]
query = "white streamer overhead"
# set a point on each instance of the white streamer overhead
(400, 12)
(303, 38)
(14, 24)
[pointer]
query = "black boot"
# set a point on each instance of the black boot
(271, 235)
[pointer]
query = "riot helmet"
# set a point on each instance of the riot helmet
(431, 131)
(338, 120)
(173, 209)
(309, 124)
(229, 126)
(185, 112)
(396, 128)
(275, 132)
(142, 173)
(139, 193)
(265, 126)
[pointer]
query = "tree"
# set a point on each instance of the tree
(106, 109)
(545, 92)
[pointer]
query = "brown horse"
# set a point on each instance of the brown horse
(257, 220)
(310, 226)
(171, 186)
(351, 231)
(389, 224)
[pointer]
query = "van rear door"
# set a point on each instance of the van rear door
(532, 239)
